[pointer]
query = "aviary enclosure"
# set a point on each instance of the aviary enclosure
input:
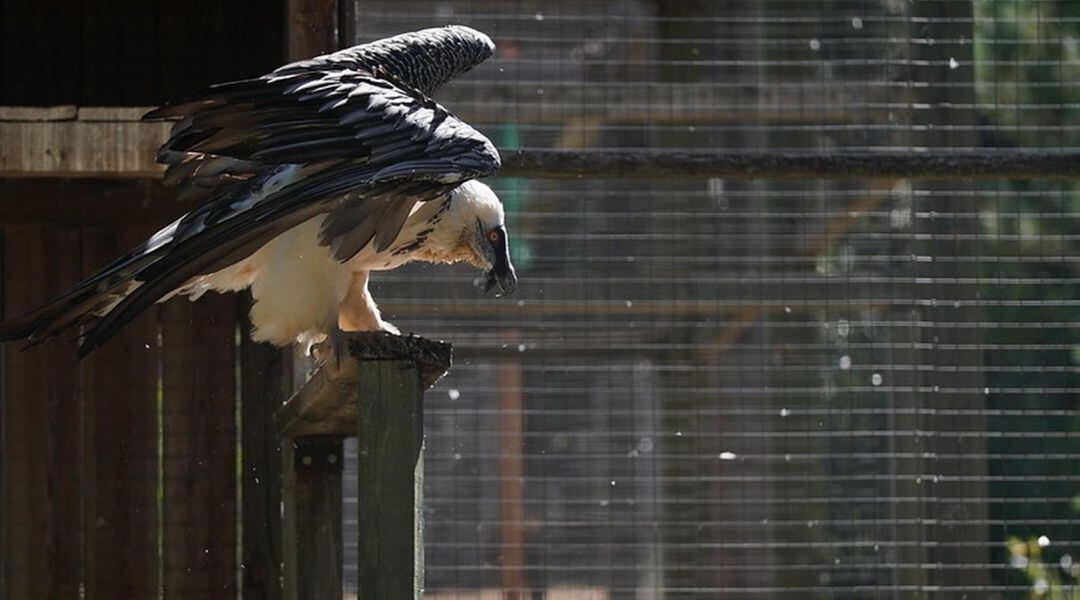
(818, 340)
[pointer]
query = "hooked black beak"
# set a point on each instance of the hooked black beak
(502, 272)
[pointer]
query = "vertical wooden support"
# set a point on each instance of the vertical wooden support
(511, 480)
(313, 547)
(265, 384)
(199, 447)
(40, 444)
(378, 383)
(120, 383)
(310, 535)
(3, 421)
(312, 27)
(390, 448)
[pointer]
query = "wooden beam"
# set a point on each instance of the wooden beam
(390, 473)
(313, 538)
(512, 560)
(326, 405)
(312, 28)
(264, 385)
(40, 440)
(79, 141)
(198, 374)
(89, 203)
(120, 449)
(378, 382)
(310, 480)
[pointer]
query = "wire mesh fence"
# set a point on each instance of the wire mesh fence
(714, 387)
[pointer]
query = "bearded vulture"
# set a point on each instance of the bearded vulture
(306, 180)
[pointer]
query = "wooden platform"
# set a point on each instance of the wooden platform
(327, 403)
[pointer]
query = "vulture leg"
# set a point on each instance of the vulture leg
(357, 310)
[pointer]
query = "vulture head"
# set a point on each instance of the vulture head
(484, 220)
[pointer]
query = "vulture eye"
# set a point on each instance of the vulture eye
(493, 236)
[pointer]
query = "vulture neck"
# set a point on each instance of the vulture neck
(473, 210)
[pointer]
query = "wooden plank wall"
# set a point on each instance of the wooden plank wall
(120, 466)
(120, 472)
(120, 476)
(42, 451)
(199, 446)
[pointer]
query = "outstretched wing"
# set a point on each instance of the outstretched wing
(347, 130)
(365, 140)
(421, 60)
(367, 106)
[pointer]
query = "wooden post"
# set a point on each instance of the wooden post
(264, 386)
(40, 430)
(375, 391)
(313, 563)
(512, 479)
(198, 375)
(390, 486)
(312, 27)
(120, 449)
(308, 491)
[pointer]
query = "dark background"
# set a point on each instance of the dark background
(132, 53)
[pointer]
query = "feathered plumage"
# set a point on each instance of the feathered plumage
(307, 179)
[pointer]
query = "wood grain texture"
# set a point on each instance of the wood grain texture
(90, 203)
(264, 385)
(389, 444)
(120, 382)
(326, 403)
(199, 447)
(79, 147)
(314, 550)
(512, 478)
(312, 28)
(41, 502)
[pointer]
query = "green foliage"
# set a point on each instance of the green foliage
(1049, 579)
(1027, 55)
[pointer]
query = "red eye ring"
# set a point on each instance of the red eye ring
(493, 235)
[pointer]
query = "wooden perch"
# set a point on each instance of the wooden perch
(326, 404)
(373, 390)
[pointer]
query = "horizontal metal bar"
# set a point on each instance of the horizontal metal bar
(660, 164)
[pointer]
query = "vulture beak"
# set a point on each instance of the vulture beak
(502, 272)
